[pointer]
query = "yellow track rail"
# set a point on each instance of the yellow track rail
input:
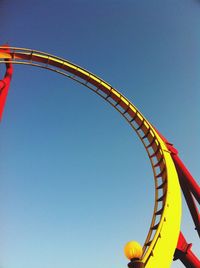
(163, 234)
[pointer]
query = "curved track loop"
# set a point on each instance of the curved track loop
(163, 234)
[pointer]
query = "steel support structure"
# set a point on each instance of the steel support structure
(4, 85)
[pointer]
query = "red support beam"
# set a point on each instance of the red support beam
(4, 84)
(186, 176)
(188, 185)
(188, 197)
(184, 253)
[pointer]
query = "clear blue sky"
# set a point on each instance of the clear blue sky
(76, 183)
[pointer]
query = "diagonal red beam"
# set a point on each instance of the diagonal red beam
(5, 84)
(187, 177)
(183, 179)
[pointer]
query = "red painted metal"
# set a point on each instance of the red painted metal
(189, 199)
(186, 175)
(4, 85)
(184, 253)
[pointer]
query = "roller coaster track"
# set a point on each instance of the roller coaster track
(162, 238)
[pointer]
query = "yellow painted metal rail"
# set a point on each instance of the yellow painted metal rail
(163, 233)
